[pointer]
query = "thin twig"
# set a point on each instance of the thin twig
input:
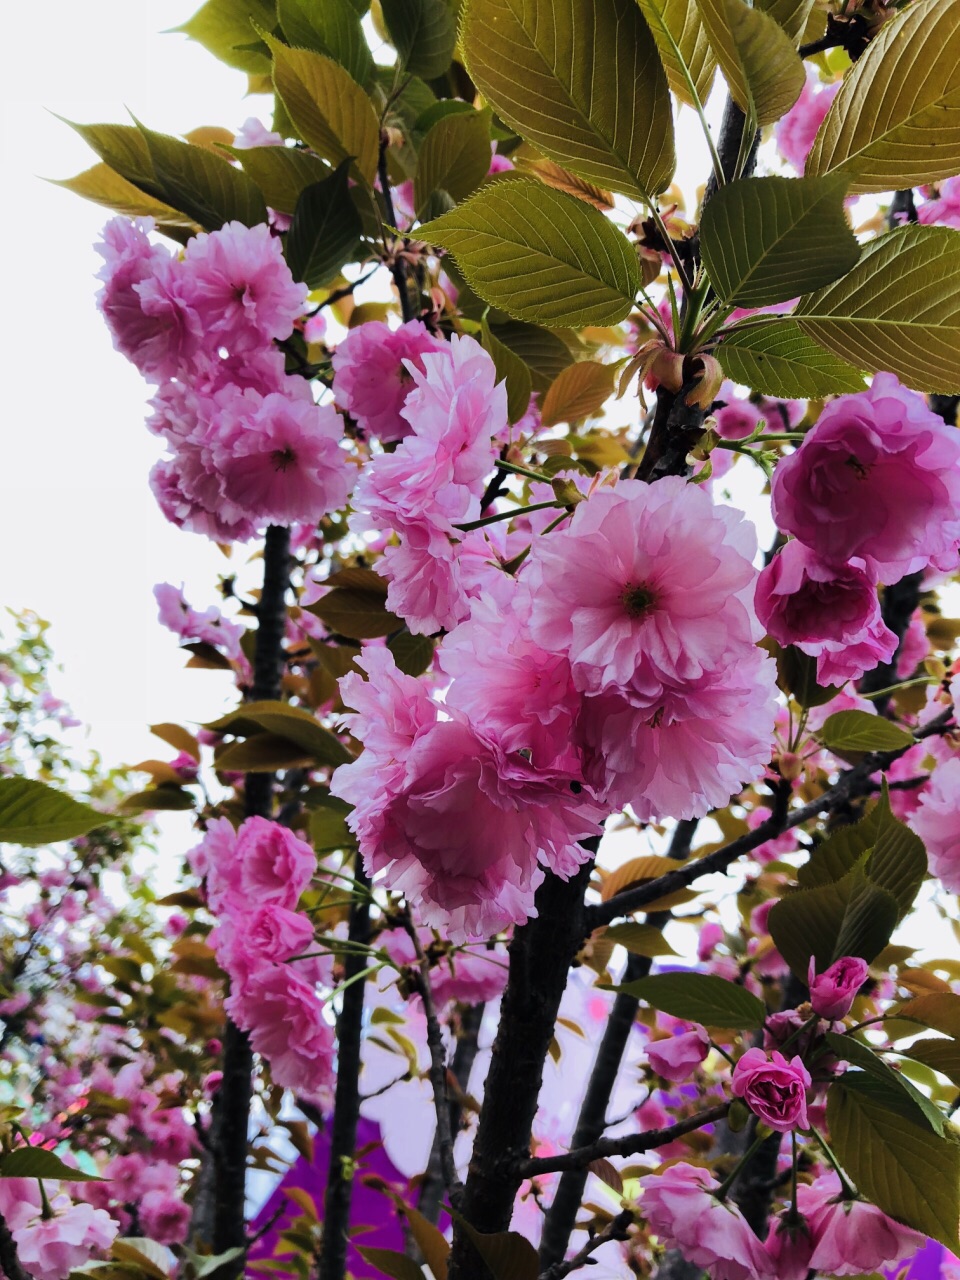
(615, 1230)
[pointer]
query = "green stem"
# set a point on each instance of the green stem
(505, 515)
(849, 1190)
(517, 470)
(904, 684)
(799, 1032)
(695, 301)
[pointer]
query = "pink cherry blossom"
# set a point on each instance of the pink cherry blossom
(210, 626)
(830, 612)
(470, 976)
(651, 585)
(773, 1088)
(254, 133)
(833, 992)
(247, 942)
(798, 128)
(274, 864)
(678, 1056)
(944, 208)
(683, 1211)
(50, 1248)
(914, 648)
(851, 1237)
(736, 417)
(937, 823)
(177, 498)
(877, 478)
(164, 1217)
(372, 377)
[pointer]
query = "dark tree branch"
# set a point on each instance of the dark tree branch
(618, 1229)
(10, 1263)
(464, 1056)
(398, 267)
(630, 1145)
(346, 1106)
(231, 1108)
(438, 1073)
(541, 952)
(853, 782)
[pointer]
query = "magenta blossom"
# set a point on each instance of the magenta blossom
(833, 992)
(372, 377)
(830, 612)
(937, 823)
(878, 478)
(944, 208)
(798, 128)
(681, 1208)
(774, 1089)
(678, 1056)
(273, 864)
(851, 1237)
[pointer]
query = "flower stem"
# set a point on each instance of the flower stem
(849, 1190)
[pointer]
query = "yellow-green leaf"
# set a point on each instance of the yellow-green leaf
(510, 369)
(104, 186)
(639, 939)
(579, 391)
(582, 82)
(226, 29)
(293, 723)
(759, 62)
(330, 111)
(792, 15)
(766, 240)
(896, 120)
(203, 184)
(699, 997)
(423, 33)
(540, 255)
(356, 613)
(32, 813)
(777, 358)
(687, 58)
(898, 309)
(454, 157)
(862, 731)
(332, 28)
(281, 173)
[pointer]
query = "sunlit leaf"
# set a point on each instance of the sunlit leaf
(759, 62)
(203, 184)
(104, 186)
(699, 997)
(325, 230)
(862, 731)
(454, 157)
(423, 33)
(281, 173)
(684, 49)
(32, 813)
(578, 392)
(332, 28)
(777, 358)
(227, 29)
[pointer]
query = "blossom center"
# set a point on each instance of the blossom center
(282, 458)
(638, 601)
(857, 467)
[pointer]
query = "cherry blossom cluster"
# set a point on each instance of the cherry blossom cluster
(248, 444)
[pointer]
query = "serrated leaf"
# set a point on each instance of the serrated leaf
(293, 723)
(104, 186)
(905, 1096)
(639, 939)
(862, 731)
(430, 1241)
(358, 614)
(35, 1162)
(699, 997)
(898, 861)
(325, 230)
(330, 111)
(263, 753)
(777, 358)
(540, 255)
(203, 184)
(766, 240)
(687, 58)
(792, 15)
(454, 157)
(544, 353)
(32, 813)
(152, 1259)
(124, 148)
(759, 62)
(331, 28)
(423, 33)
(846, 917)
(582, 82)
(510, 369)
(226, 28)
(901, 1166)
(940, 1054)
(896, 119)
(939, 1011)
(578, 392)
(841, 851)
(897, 310)
(412, 654)
(281, 173)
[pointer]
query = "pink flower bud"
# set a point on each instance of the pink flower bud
(833, 992)
(677, 1057)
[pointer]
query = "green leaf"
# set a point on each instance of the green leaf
(847, 917)
(940, 1011)
(900, 1165)
(331, 28)
(578, 392)
(699, 997)
(544, 353)
(358, 614)
(124, 148)
(540, 255)
(941, 1055)
(510, 369)
(423, 33)
(330, 111)
(898, 862)
(263, 753)
(454, 157)
(840, 852)
(862, 731)
(412, 654)
(165, 797)
(328, 830)
(35, 1162)
(104, 186)
(896, 120)
(202, 184)
(639, 939)
(391, 1263)
(898, 309)
(508, 1255)
(759, 62)
(797, 675)
(226, 29)
(766, 240)
(325, 230)
(684, 49)
(281, 173)
(582, 82)
(293, 723)
(777, 358)
(907, 1097)
(792, 15)
(151, 1258)
(429, 1240)
(32, 813)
